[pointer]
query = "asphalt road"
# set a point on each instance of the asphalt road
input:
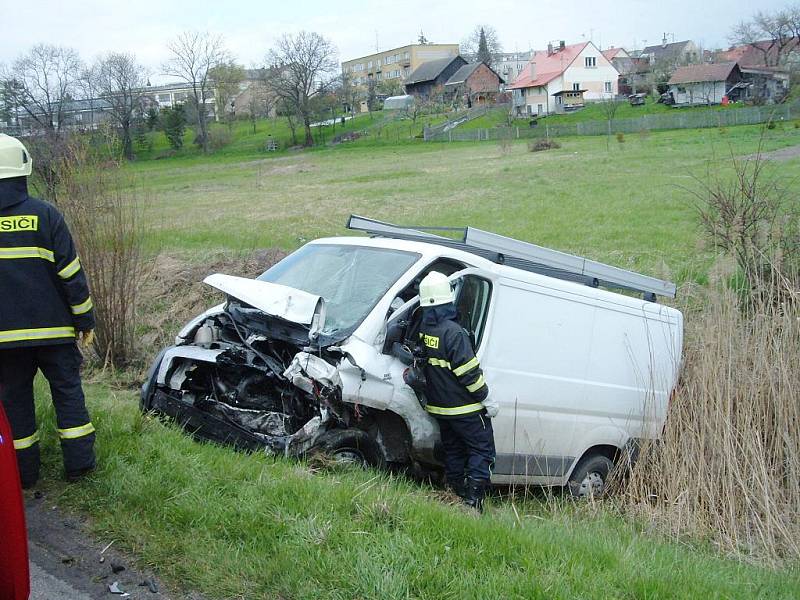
(65, 560)
(45, 586)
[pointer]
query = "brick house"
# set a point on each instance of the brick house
(474, 83)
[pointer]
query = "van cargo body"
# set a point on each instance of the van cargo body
(310, 356)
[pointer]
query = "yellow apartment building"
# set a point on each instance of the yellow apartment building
(395, 64)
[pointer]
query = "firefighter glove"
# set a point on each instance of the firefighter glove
(86, 338)
(492, 406)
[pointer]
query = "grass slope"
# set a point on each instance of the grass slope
(250, 526)
(377, 129)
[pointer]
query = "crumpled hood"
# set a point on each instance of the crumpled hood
(13, 191)
(275, 300)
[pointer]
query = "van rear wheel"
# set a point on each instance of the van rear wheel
(590, 477)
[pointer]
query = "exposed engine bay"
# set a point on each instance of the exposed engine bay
(266, 386)
(245, 378)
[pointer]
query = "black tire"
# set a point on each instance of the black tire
(589, 478)
(352, 446)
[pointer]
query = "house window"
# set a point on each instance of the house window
(388, 60)
(405, 55)
(590, 61)
(370, 65)
(378, 63)
(608, 87)
(576, 87)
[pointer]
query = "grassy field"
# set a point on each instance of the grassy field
(240, 526)
(249, 526)
(628, 205)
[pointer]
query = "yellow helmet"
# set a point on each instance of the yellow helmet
(435, 289)
(15, 160)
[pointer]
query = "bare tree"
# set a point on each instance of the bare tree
(260, 102)
(347, 92)
(372, 95)
(192, 55)
(610, 107)
(774, 34)
(120, 82)
(471, 44)
(42, 82)
(302, 67)
(227, 77)
(40, 85)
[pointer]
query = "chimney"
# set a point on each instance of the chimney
(664, 41)
(549, 48)
(562, 45)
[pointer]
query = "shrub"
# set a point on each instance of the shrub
(219, 137)
(543, 144)
(103, 209)
(621, 137)
(752, 219)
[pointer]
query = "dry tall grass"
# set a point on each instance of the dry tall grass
(728, 466)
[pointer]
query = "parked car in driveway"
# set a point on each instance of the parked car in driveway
(310, 355)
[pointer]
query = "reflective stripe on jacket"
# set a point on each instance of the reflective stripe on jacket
(44, 295)
(455, 382)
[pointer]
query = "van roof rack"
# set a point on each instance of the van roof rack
(523, 255)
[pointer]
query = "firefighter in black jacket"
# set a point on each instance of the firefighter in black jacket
(457, 394)
(45, 309)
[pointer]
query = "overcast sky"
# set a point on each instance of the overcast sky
(250, 26)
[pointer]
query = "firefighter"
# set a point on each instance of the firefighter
(457, 394)
(45, 309)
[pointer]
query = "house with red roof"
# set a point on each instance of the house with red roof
(562, 78)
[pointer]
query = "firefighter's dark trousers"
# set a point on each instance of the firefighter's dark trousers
(60, 364)
(468, 444)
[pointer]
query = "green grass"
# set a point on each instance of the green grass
(593, 111)
(628, 205)
(376, 130)
(233, 525)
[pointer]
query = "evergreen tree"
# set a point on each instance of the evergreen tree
(174, 124)
(151, 119)
(484, 55)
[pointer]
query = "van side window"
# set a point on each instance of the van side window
(472, 303)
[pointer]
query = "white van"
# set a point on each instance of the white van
(310, 355)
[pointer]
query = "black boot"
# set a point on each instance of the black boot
(475, 492)
(458, 487)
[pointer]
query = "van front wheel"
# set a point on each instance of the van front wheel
(590, 477)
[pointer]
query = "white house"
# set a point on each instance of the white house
(562, 77)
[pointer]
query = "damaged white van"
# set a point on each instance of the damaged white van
(310, 355)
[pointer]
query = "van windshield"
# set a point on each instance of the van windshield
(351, 279)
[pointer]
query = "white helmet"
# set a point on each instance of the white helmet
(435, 289)
(15, 161)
